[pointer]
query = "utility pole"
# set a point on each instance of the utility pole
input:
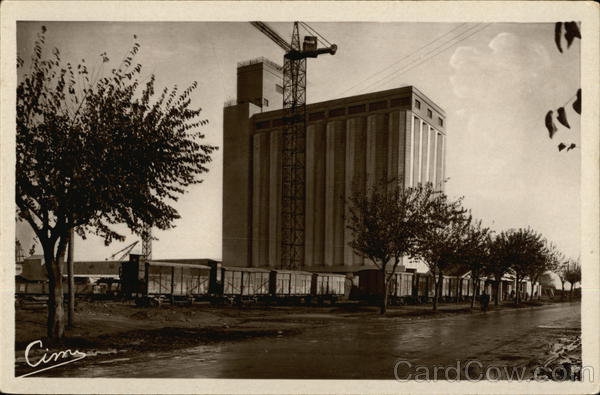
(71, 279)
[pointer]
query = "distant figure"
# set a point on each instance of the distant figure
(485, 301)
(513, 295)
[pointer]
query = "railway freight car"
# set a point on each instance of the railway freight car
(97, 279)
(328, 286)
(290, 285)
(245, 283)
(371, 284)
(154, 281)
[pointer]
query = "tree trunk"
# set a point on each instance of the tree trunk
(56, 311)
(385, 298)
(458, 288)
(435, 294)
(562, 294)
(497, 293)
(436, 285)
(71, 275)
(56, 314)
(518, 298)
(474, 288)
(571, 293)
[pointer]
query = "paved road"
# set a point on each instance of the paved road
(359, 349)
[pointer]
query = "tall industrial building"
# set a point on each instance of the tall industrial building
(351, 142)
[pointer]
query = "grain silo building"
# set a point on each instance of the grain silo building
(351, 141)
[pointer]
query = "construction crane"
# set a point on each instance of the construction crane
(294, 135)
(147, 242)
(125, 251)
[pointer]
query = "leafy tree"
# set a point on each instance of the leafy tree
(573, 275)
(498, 265)
(99, 152)
(548, 260)
(473, 253)
(385, 222)
(439, 242)
(561, 271)
(547, 282)
(519, 249)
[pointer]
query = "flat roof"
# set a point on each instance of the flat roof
(402, 91)
(178, 264)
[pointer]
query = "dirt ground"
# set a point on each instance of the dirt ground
(101, 324)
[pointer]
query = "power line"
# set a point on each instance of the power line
(405, 57)
(312, 30)
(443, 47)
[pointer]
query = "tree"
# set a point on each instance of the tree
(440, 240)
(548, 260)
(91, 154)
(561, 271)
(498, 264)
(573, 275)
(384, 223)
(519, 249)
(474, 253)
(547, 283)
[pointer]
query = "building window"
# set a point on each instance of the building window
(279, 88)
(440, 121)
(338, 112)
(315, 116)
(357, 109)
(417, 104)
(429, 113)
(263, 125)
(400, 102)
(380, 105)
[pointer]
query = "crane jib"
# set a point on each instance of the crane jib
(297, 55)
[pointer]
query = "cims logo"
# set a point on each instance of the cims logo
(36, 357)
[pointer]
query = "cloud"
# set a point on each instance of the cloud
(508, 70)
(499, 155)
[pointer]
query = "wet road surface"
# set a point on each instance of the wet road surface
(360, 349)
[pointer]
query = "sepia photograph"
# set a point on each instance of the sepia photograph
(290, 198)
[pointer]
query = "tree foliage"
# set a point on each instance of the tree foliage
(498, 263)
(474, 253)
(572, 274)
(571, 32)
(521, 250)
(440, 242)
(98, 150)
(549, 259)
(385, 222)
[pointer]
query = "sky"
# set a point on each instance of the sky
(496, 81)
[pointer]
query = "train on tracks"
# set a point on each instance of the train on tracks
(154, 282)
(151, 282)
(410, 287)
